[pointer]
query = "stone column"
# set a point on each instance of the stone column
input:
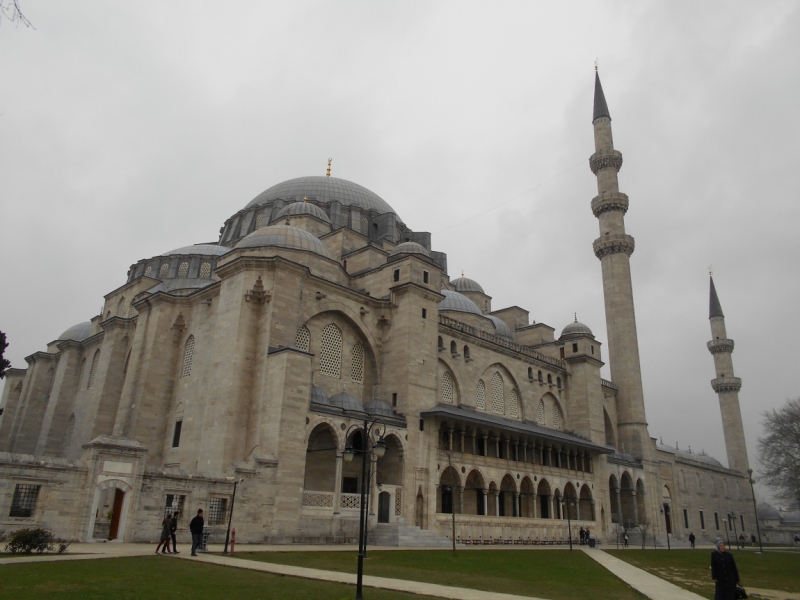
(619, 506)
(577, 509)
(635, 510)
(460, 489)
(337, 486)
(549, 456)
(517, 512)
(535, 507)
(497, 447)
(485, 502)
(552, 506)
(463, 448)
(474, 449)
(497, 503)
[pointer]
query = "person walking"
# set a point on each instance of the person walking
(724, 573)
(625, 539)
(164, 539)
(692, 538)
(196, 529)
(582, 536)
(753, 540)
(592, 538)
(173, 528)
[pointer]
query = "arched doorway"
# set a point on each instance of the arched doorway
(666, 500)
(494, 506)
(627, 498)
(448, 497)
(506, 499)
(119, 494)
(640, 497)
(384, 504)
(320, 475)
(474, 497)
(613, 492)
(526, 498)
(543, 492)
(586, 504)
(570, 502)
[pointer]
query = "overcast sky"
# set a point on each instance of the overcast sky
(131, 128)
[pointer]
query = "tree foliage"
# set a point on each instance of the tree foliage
(779, 451)
(5, 364)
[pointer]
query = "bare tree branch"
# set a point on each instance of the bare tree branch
(10, 11)
(779, 451)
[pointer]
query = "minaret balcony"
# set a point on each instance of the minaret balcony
(605, 159)
(614, 243)
(719, 346)
(726, 384)
(608, 202)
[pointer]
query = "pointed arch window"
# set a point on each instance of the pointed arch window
(498, 399)
(121, 307)
(447, 387)
(259, 220)
(556, 418)
(70, 431)
(540, 413)
(513, 404)
(302, 341)
(480, 397)
(164, 270)
(93, 371)
(132, 312)
(183, 270)
(330, 356)
(205, 270)
(148, 271)
(82, 375)
(357, 368)
(188, 357)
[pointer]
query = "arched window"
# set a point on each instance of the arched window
(148, 272)
(681, 480)
(183, 270)
(558, 382)
(540, 377)
(540, 413)
(205, 270)
(513, 404)
(259, 220)
(70, 430)
(93, 371)
(330, 357)
(357, 369)
(441, 343)
(447, 387)
(302, 341)
(453, 348)
(480, 397)
(556, 417)
(364, 225)
(132, 312)
(466, 353)
(121, 307)
(498, 400)
(530, 374)
(82, 374)
(188, 357)
(164, 270)
(549, 379)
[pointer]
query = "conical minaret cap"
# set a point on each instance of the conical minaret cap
(714, 307)
(600, 106)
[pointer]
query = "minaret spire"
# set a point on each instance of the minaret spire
(726, 386)
(600, 106)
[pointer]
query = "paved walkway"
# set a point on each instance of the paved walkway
(651, 586)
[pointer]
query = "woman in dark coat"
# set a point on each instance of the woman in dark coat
(724, 573)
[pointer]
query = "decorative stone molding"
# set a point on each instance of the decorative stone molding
(614, 244)
(604, 159)
(258, 295)
(726, 384)
(601, 204)
(717, 346)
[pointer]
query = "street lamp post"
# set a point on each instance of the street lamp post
(379, 449)
(230, 516)
(755, 510)
(568, 501)
(665, 512)
(732, 517)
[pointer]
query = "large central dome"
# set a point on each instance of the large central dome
(323, 190)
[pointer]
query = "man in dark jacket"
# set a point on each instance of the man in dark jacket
(691, 538)
(173, 528)
(196, 528)
(724, 573)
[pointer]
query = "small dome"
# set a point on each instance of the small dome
(297, 209)
(457, 302)
(501, 327)
(410, 248)
(318, 395)
(285, 236)
(78, 332)
(703, 458)
(379, 407)
(346, 401)
(204, 249)
(576, 328)
(767, 511)
(465, 284)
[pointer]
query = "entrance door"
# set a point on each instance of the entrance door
(113, 531)
(384, 499)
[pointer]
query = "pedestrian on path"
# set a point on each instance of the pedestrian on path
(753, 540)
(582, 535)
(173, 528)
(164, 539)
(692, 538)
(724, 573)
(196, 529)
(592, 538)
(625, 539)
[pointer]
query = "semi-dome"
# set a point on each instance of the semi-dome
(410, 248)
(78, 332)
(455, 301)
(501, 327)
(323, 190)
(346, 401)
(297, 209)
(203, 249)
(576, 328)
(285, 236)
(318, 395)
(380, 408)
(465, 284)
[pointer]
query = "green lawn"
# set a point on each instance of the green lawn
(691, 569)
(554, 574)
(162, 578)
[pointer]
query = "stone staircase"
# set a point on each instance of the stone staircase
(406, 536)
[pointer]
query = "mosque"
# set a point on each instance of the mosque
(249, 363)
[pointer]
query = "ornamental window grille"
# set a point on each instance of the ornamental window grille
(259, 220)
(205, 270)
(540, 413)
(82, 375)
(188, 357)
(23, 503)
(513, 404)
(556, 418)
(447, 387)
(132, 312)
(174, 504)
(365, 225)
(121, 307)
(398, 502)
(70, 431)
(93, 371)
(164, 270)
(343, 218)
(217, 507)
(357, 368)
(497, 394)
(330, 356)
(302, 341)
(480, 397)
(183, 270)
(148, 271)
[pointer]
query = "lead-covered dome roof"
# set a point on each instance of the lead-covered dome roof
(501, 327)
(323, 190)
(380, 408)
(465, 284)
(455, 301)
(203, 249)
(410, 248)
(285, 236)
(576, 328)
(78, 332)
(346, 401)
(297, 209)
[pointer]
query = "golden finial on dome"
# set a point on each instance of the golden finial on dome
(328, 173)
(305, 198)
(576, 317)
(462, 272)
(595, 64)
(710, 271)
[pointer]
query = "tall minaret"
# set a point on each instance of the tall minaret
(727, 386)
(614, 248)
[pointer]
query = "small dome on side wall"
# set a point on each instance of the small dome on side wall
(78, 332)
(465, 284)
(298, 209)
(501, 327)
(285, 236)
(457, 302)
(380, 408)
(410, 248)
(346, 401)
(318, 395)
(576, 328)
